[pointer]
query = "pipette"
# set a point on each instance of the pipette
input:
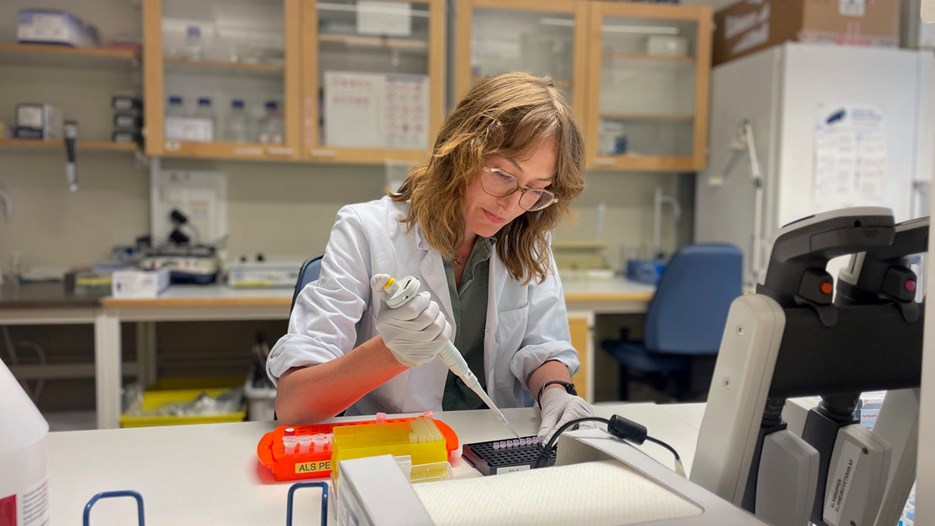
(398, 293)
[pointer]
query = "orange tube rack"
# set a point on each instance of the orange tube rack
(316, 462)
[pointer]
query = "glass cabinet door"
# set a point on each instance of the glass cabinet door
(648, 86)
(373, 79)
(543, 38)
(222, 78)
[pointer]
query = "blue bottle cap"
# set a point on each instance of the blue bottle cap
(204, 101)
(237, 103)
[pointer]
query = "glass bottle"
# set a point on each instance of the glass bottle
(205, 115)
(194, 50)
(175, 112)
(236, 130)
(271, 127)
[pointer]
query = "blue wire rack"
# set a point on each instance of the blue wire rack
(141, 520)
(324, 500)
(114, 494)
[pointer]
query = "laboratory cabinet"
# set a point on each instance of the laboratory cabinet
(108, 70)
(222, 78)
(338, 81)
(543, 38)
(647, 84)
(636, 75)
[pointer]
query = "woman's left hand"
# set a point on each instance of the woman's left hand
(558, 407)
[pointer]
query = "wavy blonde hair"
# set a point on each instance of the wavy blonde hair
(507, 115)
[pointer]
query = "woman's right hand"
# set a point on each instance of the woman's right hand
(414, 332)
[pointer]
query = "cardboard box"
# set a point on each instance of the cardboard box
(752, 25)
(54, 26)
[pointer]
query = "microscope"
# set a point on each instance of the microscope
(794, 338)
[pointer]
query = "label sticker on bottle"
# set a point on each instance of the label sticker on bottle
(8, 511)
(29, 508)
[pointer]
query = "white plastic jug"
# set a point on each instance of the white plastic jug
(24, 497)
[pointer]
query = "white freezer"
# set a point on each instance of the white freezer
(787, 93)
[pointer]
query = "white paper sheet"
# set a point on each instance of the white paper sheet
(353, 109)
(850, 156)
(375, 110)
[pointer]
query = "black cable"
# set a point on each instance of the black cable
(551, 444)
(667, 446)
(617, 426)
(549, 448)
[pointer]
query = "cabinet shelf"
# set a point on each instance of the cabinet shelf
(403, 44)
(644, 57)
(659, 117)
(176, 64)
(649, 163)
(12, 144)
(228, 150)
(60, 56)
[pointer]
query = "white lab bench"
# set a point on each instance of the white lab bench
(209, 474)
(584, 298)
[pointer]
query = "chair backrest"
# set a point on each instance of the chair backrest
(308, 273)
(689, 309)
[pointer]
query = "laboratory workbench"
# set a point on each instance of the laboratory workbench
(584, 298)
(209, 474)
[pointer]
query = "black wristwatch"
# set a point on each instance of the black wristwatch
(569, 388)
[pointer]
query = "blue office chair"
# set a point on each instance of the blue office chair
(308, 273)
(684, 322)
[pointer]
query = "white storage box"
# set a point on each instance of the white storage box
(261, 401)
(139, 283)
(39, 121)
(54, 26)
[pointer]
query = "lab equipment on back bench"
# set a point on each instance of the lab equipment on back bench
(399, 292)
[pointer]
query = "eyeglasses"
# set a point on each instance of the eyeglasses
(498, 183)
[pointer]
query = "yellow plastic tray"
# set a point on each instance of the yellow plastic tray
(169, 391)
(387, 438)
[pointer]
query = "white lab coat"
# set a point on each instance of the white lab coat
(526, 324)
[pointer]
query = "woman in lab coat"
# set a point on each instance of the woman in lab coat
(472, 224)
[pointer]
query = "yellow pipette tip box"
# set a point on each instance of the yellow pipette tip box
(419, 438)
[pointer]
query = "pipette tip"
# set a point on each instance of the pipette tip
(504, 421)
